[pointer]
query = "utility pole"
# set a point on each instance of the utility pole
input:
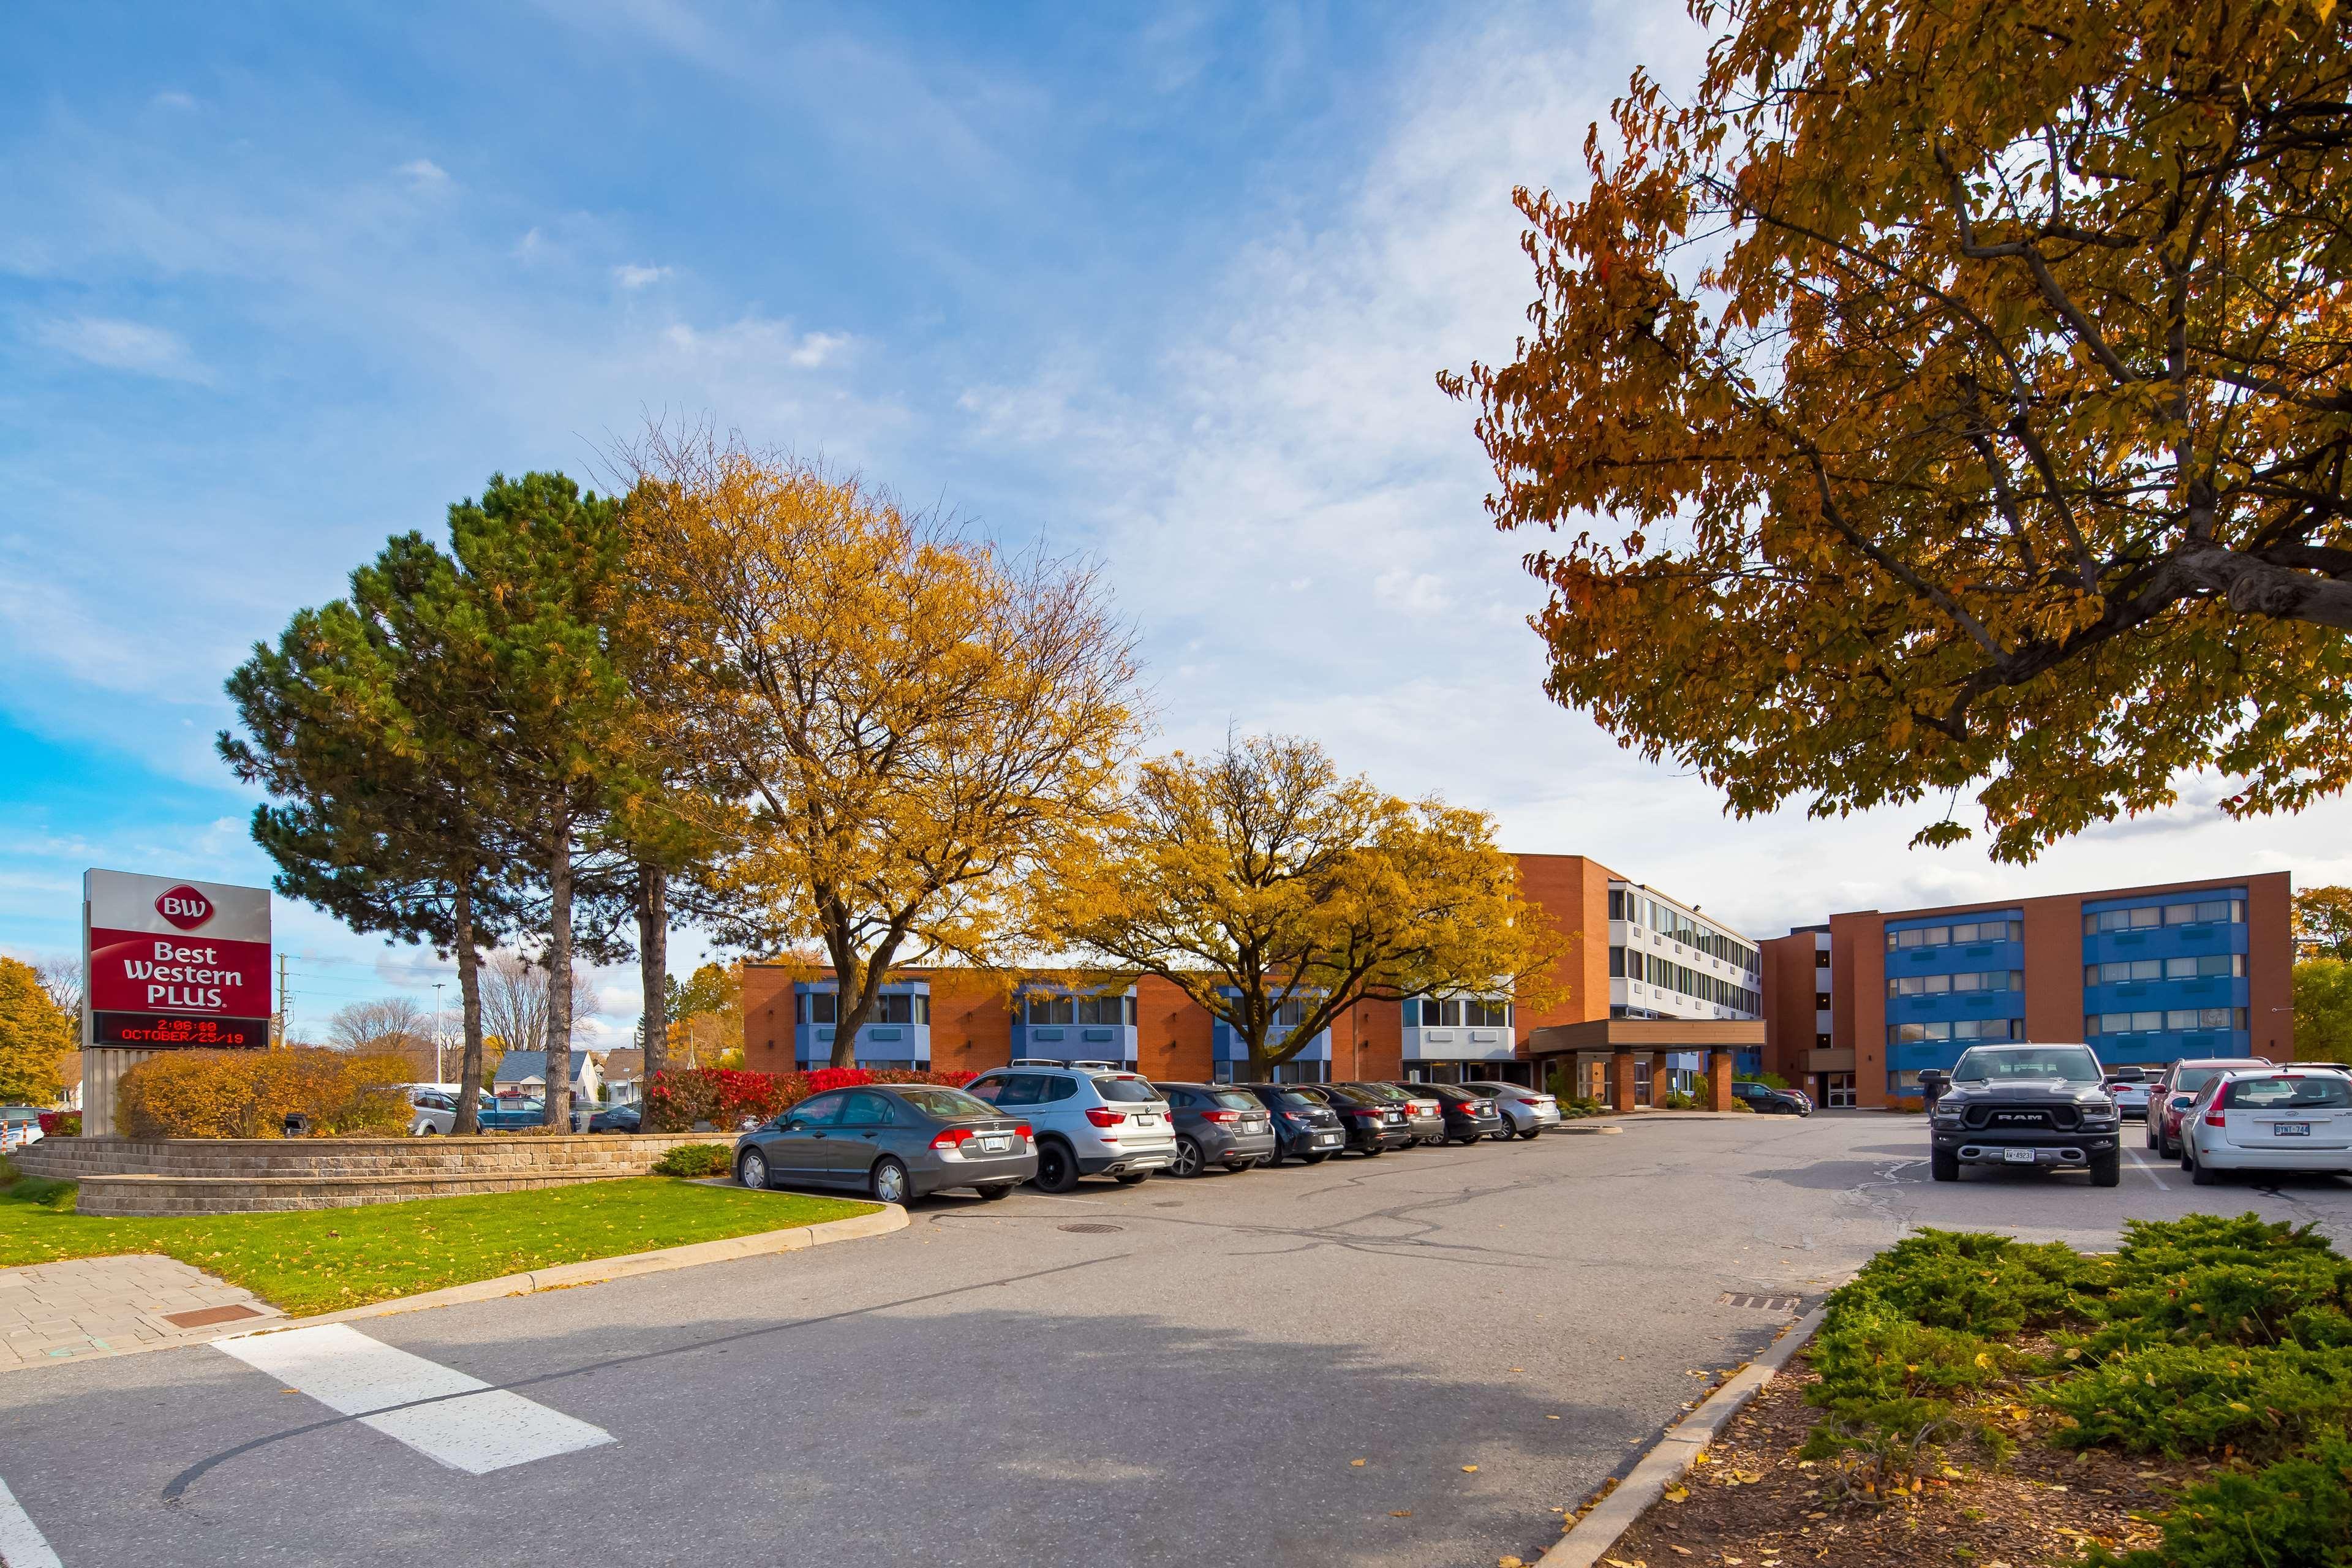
(284, 1024)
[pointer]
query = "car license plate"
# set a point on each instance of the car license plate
(1252, 1126)
(1327, 1137)
(995, 1145)
(2290, 1129)
(2017, 1156)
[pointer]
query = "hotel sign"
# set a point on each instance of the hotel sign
(171, 963)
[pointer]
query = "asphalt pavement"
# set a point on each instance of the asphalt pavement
(1291, 1365)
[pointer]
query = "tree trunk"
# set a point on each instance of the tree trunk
(847, 1021)
(559, 976)
(469, 1007)
(653, 968)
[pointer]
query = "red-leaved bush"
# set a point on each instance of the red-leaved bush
(677, 1098)
(60, 1123)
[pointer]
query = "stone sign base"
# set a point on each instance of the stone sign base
(132, 1177)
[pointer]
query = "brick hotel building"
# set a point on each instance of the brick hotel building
(1634, 960)
(1856, 1008)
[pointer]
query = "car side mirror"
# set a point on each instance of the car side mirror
(2183, 1101)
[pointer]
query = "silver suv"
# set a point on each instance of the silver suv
(1090, 1120)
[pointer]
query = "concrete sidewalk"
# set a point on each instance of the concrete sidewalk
(86, 1307)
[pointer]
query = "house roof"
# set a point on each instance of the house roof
(515, 1066)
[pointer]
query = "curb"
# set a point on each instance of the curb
(1664, 1464)
(597, 1271)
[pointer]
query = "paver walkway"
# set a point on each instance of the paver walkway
(89, 1307)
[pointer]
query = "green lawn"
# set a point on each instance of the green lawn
(323, 1259)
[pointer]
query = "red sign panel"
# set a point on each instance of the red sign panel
(139, 972)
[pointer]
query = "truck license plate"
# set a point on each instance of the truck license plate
(2017, 1156)
(2290, 1129)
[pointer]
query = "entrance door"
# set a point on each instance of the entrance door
(1640, 1080)
(1837, 1090)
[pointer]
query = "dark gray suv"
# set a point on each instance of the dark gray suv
(1216, 1125)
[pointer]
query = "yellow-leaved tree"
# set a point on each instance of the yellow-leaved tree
(34, 1035)
(1949, 395)
(910, 731)
(1280, 894)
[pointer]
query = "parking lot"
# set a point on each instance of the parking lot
(1414, 1359)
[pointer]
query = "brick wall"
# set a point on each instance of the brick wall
(1574, 893)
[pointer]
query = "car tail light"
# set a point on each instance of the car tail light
(952, 1138)
(1102, 1118)
(1021, 1129)
(2214, 1118)
(1221, 1116)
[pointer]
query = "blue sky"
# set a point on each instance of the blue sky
(1167, 284)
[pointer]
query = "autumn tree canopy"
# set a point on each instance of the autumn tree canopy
(911, 732)
(1278, 894)
(1952, 396)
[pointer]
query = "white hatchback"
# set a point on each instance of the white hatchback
(2268, 1120)
(1089, 1121)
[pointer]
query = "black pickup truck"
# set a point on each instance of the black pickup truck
(2034, 1106)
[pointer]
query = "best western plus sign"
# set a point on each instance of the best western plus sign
(175, 963)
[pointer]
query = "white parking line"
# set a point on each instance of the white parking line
(2149, 1171)
(21, 1543)
(433, 1409)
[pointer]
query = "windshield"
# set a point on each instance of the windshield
(2011, 1064)
(1292, 1100)
(2322, 1091)
(946, 1104)
(1126, 1090)
(1234, 1099)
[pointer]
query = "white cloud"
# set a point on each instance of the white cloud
(424, 172)
(113, 343)
(628, 277)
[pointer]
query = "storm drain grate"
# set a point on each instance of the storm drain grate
(1758, 1303)
(1088, 1229)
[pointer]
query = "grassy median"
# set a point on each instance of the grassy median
(323, 1259)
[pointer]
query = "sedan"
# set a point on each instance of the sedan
(1530, 1111)
(895, 1142)
(1423, 1114)
(1468, 1117)
(1373, 1126)
(1770, 1101)
(2270, 1120)
(1217, 1124)
(2176, 1090)
(2130, 1094)
(1304, 1125)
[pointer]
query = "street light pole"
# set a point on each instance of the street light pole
(440, 1075)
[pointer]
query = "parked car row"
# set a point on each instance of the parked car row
(1051, 1123)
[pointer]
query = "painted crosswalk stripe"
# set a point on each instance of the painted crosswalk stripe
(21, 1545)
(448, 1416)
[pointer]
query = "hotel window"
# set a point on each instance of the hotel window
(1616, 904)
(1480, 1013)
(1616, 963)
(1291, 1014)
(2205, 912)
(820, 1008)
(1440, 1013)
(1105, 1010)
(2204, 965)
(1046, 1009)
(900, 1007)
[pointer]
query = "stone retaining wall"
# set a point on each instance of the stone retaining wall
(128, 1177)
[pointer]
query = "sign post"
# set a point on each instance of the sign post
(166, 963)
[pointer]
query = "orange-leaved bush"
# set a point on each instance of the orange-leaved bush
(250, 1094)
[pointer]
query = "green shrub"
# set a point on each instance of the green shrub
(2298, 1296)
(696, 1160)
(2297, 1513)
(2181, 1400)
(1969, 1279)
(250, 1094)
(1675, 1099)
(2154, 1250)
(1880, 1368)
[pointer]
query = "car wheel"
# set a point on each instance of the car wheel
(1057, 1172)
(2107, 1168)
(1531, 1132)
(1943, 1164)
(1134, 1178)
(752, 1170)
(1373, 1149)
(1188, 1159)
(1467, 1138)
(2152, 1142)
(993, 1193)
(1271, 1161)
(1315, 1159)
(2200, 1174)
(888, 1182)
